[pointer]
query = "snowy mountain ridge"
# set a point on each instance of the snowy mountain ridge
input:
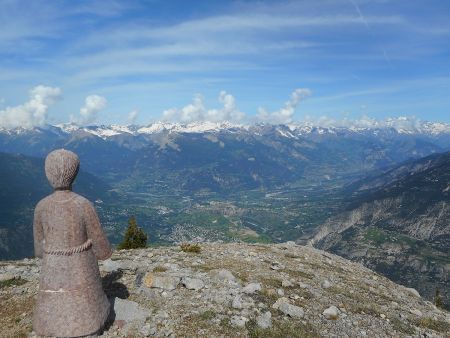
(400, 125)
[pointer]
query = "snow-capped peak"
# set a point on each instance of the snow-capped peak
(68, 127)
(401, 125)
(102, 131)
(194, 127)
(108, 131)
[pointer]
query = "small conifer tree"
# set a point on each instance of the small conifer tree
(134, 237)
(438, 299)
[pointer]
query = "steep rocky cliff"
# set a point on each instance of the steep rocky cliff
(398, 224)
(237, 290)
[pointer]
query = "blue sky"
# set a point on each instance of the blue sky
(99, 61)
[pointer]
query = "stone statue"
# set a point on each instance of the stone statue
(69, 238)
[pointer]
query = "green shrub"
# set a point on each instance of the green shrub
(193, 248)
(433, 324)
(134, 237)
(438, 300)
(16, 281)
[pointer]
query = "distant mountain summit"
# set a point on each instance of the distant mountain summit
(226, 156)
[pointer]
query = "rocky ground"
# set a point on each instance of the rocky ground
(237, 290)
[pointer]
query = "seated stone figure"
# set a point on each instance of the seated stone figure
(69, 238)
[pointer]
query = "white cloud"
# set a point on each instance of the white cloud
(285, 114)
(196, 111)
(245, 23)
(89, 112)
(132, 116)
(345, 122)
(401, 123)
(33, 112)
(141, 47)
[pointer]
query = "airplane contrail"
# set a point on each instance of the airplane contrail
(363, 19)
(360, 13)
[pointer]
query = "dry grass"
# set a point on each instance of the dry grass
(208, 324)
(204, 267)
(246, 273)
(243, 276)
(306, 294)
(336, 290)
(15, 316)
(266, 296)
(271, 282)
(368, 309)
(402, 327)
(191, 248)
(282, 329)
(300, 274)
(432, 324)
(159, 268)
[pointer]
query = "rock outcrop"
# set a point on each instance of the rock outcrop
(237, 290)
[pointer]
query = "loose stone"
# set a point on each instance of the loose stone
(192, 283)
(252, 288)
(291, 310)
(238, 321)
(326, 284)
(264, 320)
(165, 282)
(331, 313)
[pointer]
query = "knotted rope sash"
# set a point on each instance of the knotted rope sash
(67, 252)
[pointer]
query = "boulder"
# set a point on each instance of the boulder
(225, 276)
(331, 313)
(192, 283)
(128, 311)
(413, 292)
(291, 310)
(252, 288)
(326, 284)
(161, 282)
(238, 321)
(264, 320)
(6, 276)
(237, 302)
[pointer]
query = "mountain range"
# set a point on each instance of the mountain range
(371, 192)
(223, 157)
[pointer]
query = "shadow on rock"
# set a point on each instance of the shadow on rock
(112, 287)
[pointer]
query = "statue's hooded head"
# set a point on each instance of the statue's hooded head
(61, 168)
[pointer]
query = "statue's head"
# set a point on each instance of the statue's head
(61, 168)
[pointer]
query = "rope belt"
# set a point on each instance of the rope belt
(67, 252)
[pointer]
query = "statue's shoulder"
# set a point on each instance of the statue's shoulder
(43, 202)
(72, 198)
(84, 204)
(81, 200)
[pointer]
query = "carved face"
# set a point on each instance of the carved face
(61, 168)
